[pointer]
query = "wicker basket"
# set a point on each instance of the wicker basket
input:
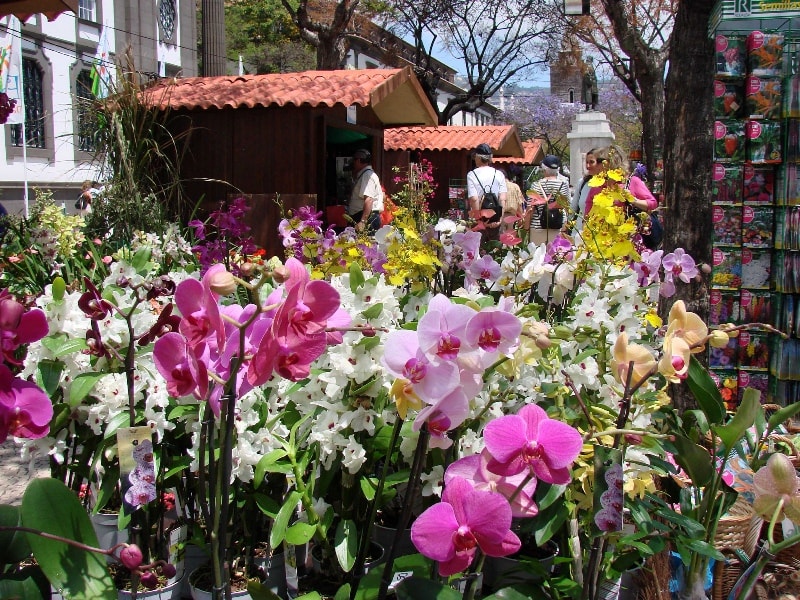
(726, 574)
(738, 529)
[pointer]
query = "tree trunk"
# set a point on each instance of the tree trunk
(688, 152)
(331, 53)
(651, 89)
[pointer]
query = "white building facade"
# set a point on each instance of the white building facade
(57, 58)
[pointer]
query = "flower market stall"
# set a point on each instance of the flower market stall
(405, 415)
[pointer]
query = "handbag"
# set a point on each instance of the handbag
(551, 216)
(649, 226)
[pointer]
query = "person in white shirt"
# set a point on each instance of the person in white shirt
(366, 199)
(483, 178)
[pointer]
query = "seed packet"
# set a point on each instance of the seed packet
(727, 223)
(763, 141)
(757, 380)
(726, 268)
(753, 350)
(727, 381)
(730, 55)
(726, 186)
(756, 268)
(757, 226)
(759, 184)
(729, 98)
(729, 140)
(756, 306)
(785, 359)
(726, 357)
(787, 228)
(723, 307)
(765, 53)
(791, 187)
(763, 97)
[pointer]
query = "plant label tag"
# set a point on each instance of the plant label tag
(398, 577)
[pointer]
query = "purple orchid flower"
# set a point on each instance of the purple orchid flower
(649, 268)
(452, 531)
(532, 442)
(677, 264)
(18, 326)
(493, 330)
(441, 330)
(25, 410)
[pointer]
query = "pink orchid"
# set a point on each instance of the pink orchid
(25, 410)
(485, 268)
(404, 359)
(493, 330)
(474, 469)
(649, 269)
(559, 250)
(441, 330)
(200, 323)
(677, 264)
(447, 414)
(531, 441)
(183, 371)
(468, 243)
(18, 326)
(466, 520)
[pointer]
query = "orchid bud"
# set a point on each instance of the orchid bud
(542, 342)
(131, 556)
(730, 331)
(247, 269)
(59, 287)
(718, 339)
(149, 580)
(222, 283)
(368, 332)
(705, 268)
(562, 332)
(280, 274)
(634, 439)
(168, 570)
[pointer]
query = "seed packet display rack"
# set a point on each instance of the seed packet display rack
(756, 204)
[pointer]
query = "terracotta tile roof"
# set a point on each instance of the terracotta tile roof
(534, 153)
(23, 9)
(503, 139)
(394, 94)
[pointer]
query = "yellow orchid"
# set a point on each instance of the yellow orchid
(674, 362)
(687, 325)
(625, 353)
(404, 397)
(616, 175)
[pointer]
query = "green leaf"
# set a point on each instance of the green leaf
(508, 594)
(123, 419)
(783, 414)
(743, 419)
(48, 376)
(180, 463)
(368, 487)
(368, 343)
(554, 492)
(356, 277)
(82, 385)
(549, 525)
(266, 505)
(310, 596)
(417, 588)
(61, 345)
(268, 464)
(61, 414)
(706, 392)
(300, 533)
(48, 505)
(695, 460)
(29, 582)
(373, 312)
(346, 544)
(343, 593)
(278, 531)
(14, 545)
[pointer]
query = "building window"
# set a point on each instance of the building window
(87, 10)
(167, 16)
(571, 96)
(33, 94)
(87, 121)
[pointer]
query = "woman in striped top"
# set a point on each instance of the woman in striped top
(550, 186)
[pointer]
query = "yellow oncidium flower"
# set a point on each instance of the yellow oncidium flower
(617, 175)
(652, 319)
(404, 397)
(597, 180)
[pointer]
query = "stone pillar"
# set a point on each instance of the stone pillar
(590, 129)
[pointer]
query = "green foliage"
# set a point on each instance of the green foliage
(263, 34)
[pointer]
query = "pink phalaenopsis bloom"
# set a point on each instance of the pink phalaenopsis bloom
(648, 270)
(441, 330)
(404, 359)
(443, 416)
(485, 268)
(677, 264)
(298, 335)
(559, 250)
(532, 442)
(25, 410)
(18, 326)
(493, 330)
(468, 245)
(466, 520)
(475, 470)
(201, 323)
(184, 372)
